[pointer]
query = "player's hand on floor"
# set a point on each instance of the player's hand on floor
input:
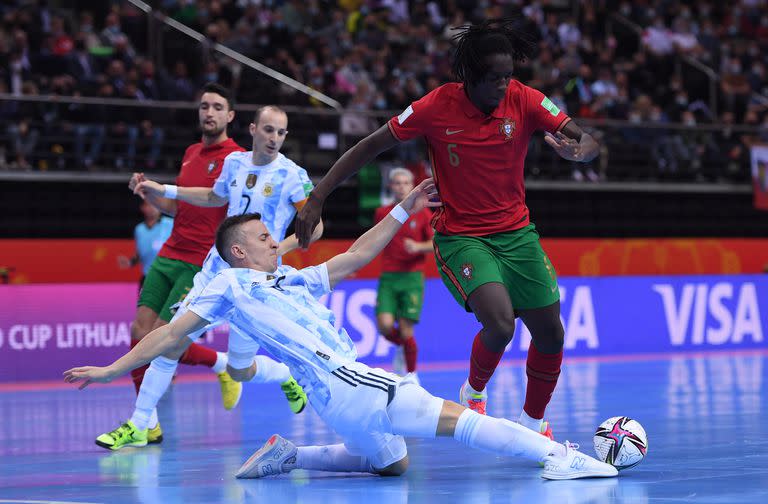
(88, 375)
(566, 147)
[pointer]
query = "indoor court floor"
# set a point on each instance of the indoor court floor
(705, 416)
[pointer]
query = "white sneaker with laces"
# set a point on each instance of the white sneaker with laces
(575, 464)
(277, 456)
(472, 400)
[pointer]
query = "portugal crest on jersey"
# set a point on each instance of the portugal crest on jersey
(467, 270)
(506, 128)
(211, 166)
(250, 181)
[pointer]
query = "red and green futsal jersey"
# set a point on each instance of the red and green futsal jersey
(394, 257)
(194, 227)
(478, 159)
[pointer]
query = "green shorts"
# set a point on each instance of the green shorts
(167, 282)
(514, 259)
(401, 294)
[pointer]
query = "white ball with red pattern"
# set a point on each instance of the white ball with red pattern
(621, 442)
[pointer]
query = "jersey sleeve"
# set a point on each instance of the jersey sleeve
(316, 279)
(301, 186)
(542, 113)
(416, 119)
(228, 171)
(215, 301)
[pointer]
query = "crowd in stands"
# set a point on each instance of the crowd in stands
(603, 59)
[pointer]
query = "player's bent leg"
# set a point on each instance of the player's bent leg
(410, 348)
(493, 308)
(395, 469)
(280, 456)
(143, 323)
(503, 437)
(545, 356)
(140, 327)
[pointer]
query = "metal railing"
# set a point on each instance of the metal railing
(630, 151)
(240, 58)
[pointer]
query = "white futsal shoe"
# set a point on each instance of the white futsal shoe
(277, 456)
(574, 464)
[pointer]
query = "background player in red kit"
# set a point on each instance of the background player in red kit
(400, 294)
(477, 132)
(194, 230)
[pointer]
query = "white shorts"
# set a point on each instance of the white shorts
(372, 410)
(240, 342)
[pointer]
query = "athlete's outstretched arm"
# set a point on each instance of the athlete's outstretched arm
(573, 143)
(375, 239)
(165, 205)
(154, 344)
(292, 243)
(198, 196)
(347, 165)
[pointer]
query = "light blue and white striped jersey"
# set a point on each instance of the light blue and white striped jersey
(271, 189)
(281, 312)
(149, 240)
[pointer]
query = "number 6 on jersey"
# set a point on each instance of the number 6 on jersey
(453, 158)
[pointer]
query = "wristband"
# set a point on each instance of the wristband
(399, 214)
(170, 191)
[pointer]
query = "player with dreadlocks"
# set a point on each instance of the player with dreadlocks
(477, 132)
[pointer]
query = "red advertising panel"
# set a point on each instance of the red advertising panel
(75, 261)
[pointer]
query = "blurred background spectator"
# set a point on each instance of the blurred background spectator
(641, 62)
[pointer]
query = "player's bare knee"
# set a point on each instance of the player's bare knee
(396, 469)
(139, 330)
(499, 332)
(550, 339)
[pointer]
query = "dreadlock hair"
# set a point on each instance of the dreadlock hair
(492, 36)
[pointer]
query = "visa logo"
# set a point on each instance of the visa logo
(711, 314)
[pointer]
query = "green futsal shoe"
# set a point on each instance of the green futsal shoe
(296, 396)
(125, 435)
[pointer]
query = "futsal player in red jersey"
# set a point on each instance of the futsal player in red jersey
(487, 250)
(400, 294)
(194, 230)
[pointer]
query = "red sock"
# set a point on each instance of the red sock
(138, 374)
(411, 349)
(394, 337)
(482, 364)
(198, 354)
(543, 371)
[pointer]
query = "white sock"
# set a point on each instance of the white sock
(532, 423)
(331, 458)
(157, 379)
(270, 371)
(501, 436)
(471, 390)
(221, 363)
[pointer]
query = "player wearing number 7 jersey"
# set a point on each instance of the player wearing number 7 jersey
(487, 250)
(259, 181)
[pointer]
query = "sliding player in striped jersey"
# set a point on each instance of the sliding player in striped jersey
(369, 408)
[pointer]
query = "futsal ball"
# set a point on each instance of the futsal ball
(621, 442)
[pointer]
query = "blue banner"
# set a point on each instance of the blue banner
(601, 316)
